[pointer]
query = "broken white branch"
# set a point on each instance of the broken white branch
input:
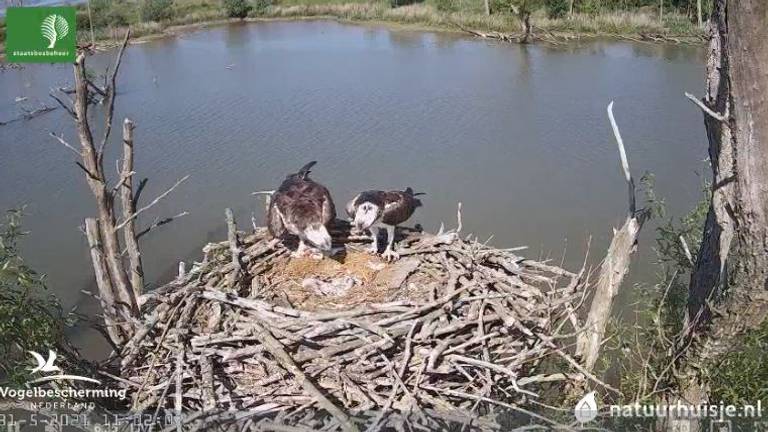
(705, 108)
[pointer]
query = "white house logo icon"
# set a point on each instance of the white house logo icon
(586, 408)
(46, 365)
(54, 28)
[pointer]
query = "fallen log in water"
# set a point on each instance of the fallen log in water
(253, 338)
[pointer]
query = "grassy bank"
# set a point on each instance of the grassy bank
(159, 17)
(429, 15)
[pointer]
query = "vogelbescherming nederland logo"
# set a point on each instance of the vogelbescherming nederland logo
(41, 34)
(47, 365)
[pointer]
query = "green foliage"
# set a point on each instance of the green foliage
(29, 319)
(156, 10)
(643, 349)
(237, 8)
(447, 5)
(259, 6)
(557, 8)
(740, 377)
(106, 13)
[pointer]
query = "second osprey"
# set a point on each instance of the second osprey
(376, 209)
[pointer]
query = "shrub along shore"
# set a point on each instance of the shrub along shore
(107, 19)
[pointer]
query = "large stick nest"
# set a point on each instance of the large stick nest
(452, 328)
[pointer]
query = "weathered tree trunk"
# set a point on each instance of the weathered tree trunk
(487, 4)
(698, 13)
(709, 276)
(103, 282)
(614, 267)
(129, 209)
(661, 12)
(97, 182)
(737, 127)
(119, 289)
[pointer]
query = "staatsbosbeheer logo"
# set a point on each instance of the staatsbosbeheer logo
(47, 365)
(41, 34)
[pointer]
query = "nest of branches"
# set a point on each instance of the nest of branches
(452, 330)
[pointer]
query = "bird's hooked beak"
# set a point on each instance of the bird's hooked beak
(319, 237)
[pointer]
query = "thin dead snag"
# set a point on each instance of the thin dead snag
(97, 181)
(103, 282)
(614, 266)
(129, 208)
(733, 250)
(119, 288)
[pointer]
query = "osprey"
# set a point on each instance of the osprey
(377, 209)
(304, 208)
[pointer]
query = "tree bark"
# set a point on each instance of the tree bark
(709, 277)
(738, 80)
(487, 4)
(97, 182)
(103, 283)
(129, 209)
(661, 12)
(698, 13)
(613, 269)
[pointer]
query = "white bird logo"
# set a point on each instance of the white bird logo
(44, 365)
(586, 408)
(48, 365)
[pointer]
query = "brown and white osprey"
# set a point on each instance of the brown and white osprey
(304, 208)
(378, 209)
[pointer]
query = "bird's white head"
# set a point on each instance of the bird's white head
(318, 235)
(366, 215)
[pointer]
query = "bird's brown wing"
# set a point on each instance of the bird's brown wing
(329, 209)
(275, 220)
(398, 207)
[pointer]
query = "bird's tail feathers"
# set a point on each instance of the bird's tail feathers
(410, 192)
(305, 170)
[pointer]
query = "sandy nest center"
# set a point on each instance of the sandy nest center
(350, 278)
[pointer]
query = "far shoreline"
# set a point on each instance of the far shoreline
(419, 18)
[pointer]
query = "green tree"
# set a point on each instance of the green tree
(156, 10)
(30, 318)
(237, 8)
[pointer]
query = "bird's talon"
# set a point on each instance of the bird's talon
(390, 255)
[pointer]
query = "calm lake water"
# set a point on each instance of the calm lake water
(517, 133)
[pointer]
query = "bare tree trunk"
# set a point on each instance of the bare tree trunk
(661, 12)
(129, 209)
(698, 13)
(613, 269)
(570, 8)
(90, 23)
(487, 4)
(103, 282)
(710, 273)
(93, 166)
(118, 294)
(737, 126)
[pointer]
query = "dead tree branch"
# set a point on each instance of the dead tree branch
(614, 267)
